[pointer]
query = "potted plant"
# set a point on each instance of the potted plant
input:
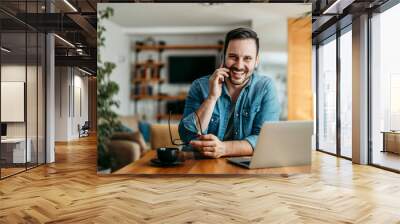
(106, 90)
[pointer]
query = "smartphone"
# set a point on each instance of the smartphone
(223, 60)
(224, 65)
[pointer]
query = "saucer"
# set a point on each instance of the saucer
(157, 162)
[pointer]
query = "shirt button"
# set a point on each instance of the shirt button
(212, 119)
(235, 132)
(237, 114)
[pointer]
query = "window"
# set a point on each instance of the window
(327, 96)
(385, 89)
(23, 77)
(346, 93)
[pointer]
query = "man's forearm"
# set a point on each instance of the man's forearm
(238, 148)
(205, 112)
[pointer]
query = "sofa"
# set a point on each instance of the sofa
(127, 147)
(160, 135)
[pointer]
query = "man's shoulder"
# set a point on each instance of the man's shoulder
(202, 80)
(261, 80)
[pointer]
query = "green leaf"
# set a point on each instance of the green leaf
(106, 90)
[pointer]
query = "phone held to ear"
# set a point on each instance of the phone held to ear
(224, 65)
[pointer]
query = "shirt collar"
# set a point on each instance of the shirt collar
(248, 84)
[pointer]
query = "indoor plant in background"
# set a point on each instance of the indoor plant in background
(106, 90)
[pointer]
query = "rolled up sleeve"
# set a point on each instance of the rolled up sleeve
(269, 111)
(252, 139)
(187, 126)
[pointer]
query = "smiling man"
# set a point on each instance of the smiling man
(232, 103)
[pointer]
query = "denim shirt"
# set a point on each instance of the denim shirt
(257, 103)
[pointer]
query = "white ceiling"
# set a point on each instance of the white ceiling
(267, 19)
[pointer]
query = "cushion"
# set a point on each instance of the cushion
(135, 137)
(122, 128)
(160, 135)
(122, 153)
(144, 128)
(131, 122)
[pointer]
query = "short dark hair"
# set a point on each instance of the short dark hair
(241, 33)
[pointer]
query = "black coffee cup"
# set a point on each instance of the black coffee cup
(167, 155)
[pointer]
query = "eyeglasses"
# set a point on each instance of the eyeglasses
(179, 142)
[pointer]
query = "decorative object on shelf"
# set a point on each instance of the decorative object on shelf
(149, 89)
(149, 41)
(161, 43)
(150, 59)
(143, 90)
(136, 88)
(153, 72)
(141, 72)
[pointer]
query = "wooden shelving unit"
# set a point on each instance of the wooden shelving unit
(144, 97)
(177, 97)
(146, 79)
(166, 116)
(158, 97)
(150, 64)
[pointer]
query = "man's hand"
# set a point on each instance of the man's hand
(209, 145)
(216, 80)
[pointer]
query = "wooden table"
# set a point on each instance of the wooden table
(204, 166)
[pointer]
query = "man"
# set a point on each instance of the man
(231, 104)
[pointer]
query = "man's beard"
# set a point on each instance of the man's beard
(236, 82)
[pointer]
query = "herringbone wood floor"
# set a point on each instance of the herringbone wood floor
(69, 191)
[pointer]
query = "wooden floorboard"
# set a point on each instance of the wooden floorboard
(386, 159)
(69, 191)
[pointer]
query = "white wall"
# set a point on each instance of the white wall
(83, 83)
(12, 73)
(61, 103)
(70, 83)
(117, 50)
(80, 109)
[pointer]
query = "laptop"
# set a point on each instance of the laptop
(283, 143)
